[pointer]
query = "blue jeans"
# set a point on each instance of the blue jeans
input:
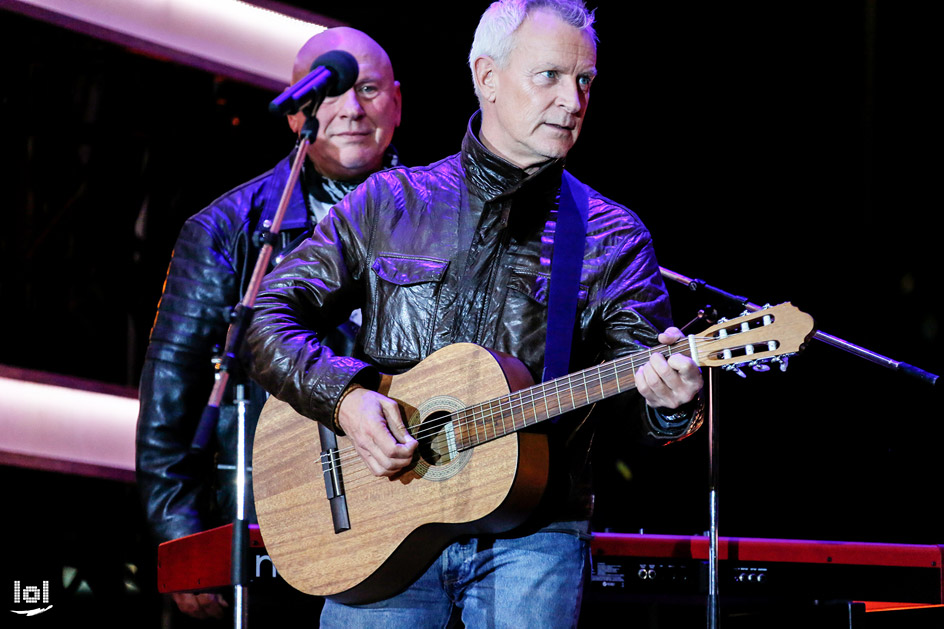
(531, 581)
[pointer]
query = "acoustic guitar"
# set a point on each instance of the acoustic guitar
(334, 529)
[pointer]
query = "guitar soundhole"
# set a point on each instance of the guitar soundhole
(433, 425)
(437, 444)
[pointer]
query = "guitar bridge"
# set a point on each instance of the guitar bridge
(334, 483)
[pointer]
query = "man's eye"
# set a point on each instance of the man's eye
(368, 90)
(549, 74)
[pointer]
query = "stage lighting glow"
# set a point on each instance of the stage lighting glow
(66, 429)
(228, 36)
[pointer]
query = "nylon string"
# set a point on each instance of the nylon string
(609, 372)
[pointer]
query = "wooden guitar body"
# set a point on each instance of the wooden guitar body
(397, 525)
(475, 471)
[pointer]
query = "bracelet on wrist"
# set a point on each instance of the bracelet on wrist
(337, 409)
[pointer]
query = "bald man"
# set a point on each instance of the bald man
(213, 259)
(350, 147)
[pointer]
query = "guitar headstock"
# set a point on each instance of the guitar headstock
(755, 338)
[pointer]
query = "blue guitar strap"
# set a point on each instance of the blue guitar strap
(570, 235)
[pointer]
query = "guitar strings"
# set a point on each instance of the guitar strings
(517, 399)
(508, 403)
(499, 408)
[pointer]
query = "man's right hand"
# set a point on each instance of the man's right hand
(373, 422)
(203, 605)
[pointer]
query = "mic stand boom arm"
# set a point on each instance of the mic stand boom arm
(896, 365)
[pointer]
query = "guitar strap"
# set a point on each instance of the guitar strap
(570, 236)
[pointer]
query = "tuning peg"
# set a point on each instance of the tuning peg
(736, 369)
(782, 361)
(760, 366)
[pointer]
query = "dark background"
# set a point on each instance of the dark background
(780, 151)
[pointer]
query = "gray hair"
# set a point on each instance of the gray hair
(494, 36)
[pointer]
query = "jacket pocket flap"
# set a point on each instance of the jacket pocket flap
(405, 271)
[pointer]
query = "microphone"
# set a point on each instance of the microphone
(332, 73)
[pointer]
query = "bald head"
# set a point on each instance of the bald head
(351, 40)
(356, 127)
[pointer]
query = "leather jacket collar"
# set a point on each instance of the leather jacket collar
(489, 177)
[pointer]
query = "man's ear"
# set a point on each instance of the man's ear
(296, 121)
(486, 77)
(398, 97)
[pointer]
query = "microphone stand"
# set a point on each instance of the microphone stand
(896, 365)
(710, 314)
(228, 364)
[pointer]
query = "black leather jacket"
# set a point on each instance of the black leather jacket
(211, 266)
(457, 251)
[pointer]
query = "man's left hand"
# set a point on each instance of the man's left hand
(668, 384)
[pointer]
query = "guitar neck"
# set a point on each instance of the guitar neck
(753, 338)
(480, 423)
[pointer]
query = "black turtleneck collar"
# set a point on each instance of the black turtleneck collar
(488, 176)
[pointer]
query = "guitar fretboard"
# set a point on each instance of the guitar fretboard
(480, 423)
